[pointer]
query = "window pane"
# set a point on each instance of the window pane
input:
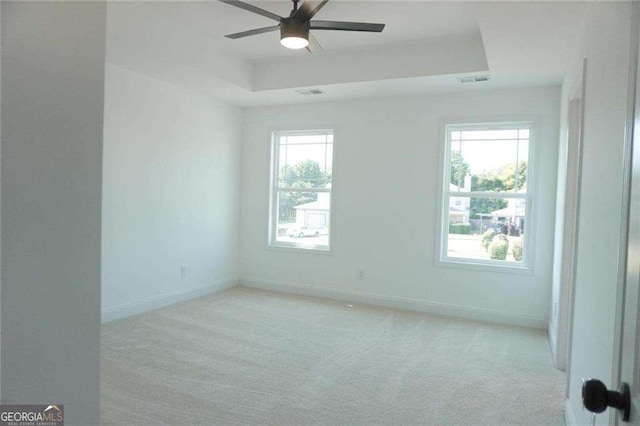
(303, 218)
(460, 176)
(305, 161)
(486, 164)
(490, 134)
(521, 170)
(474, 224)
(306, 139)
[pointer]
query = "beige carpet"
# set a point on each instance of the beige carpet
(245, 356)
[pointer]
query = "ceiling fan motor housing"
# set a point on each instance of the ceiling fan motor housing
(291, 27)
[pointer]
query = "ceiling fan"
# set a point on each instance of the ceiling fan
(294, 29)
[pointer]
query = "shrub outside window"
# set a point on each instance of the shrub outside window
(486, 218)
(301, 179)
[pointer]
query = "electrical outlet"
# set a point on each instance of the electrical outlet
(183, 271)
(360, 274)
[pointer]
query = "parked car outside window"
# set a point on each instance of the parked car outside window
(304, 231)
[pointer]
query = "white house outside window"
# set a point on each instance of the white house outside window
(301, 178)
(486, 200)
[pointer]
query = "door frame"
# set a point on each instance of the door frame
(570, 227)
(567, 284)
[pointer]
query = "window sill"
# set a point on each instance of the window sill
(508, 268)
(293, 248)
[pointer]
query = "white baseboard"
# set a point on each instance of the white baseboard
(569, 418)
(558, 355)
(443, 309)
(551, 333)
(155, 302)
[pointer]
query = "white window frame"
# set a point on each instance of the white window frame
(274, 188)
(441, 249)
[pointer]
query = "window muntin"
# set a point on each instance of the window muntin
(486, 187)
(302, 166)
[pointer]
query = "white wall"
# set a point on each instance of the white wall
(171, 178)
(605, 42)
(385, 179)
(455, 55)
(52, 111)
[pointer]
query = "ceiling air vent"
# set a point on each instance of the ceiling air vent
(474, 79)
(310, 91)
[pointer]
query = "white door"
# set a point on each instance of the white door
(629, 353)
(625, 401)
(630, 342)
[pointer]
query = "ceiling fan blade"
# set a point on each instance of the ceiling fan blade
(313, 46)
(309, 8)
(347, 26)
(252, 8)
(253, 32)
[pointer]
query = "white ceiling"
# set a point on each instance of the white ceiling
(424, 47)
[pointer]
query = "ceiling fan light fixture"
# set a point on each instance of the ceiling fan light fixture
(294, 34)
(294, 42)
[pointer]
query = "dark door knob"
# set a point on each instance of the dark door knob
(596, 398)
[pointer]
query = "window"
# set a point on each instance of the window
(301, 177)
(486, 195)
